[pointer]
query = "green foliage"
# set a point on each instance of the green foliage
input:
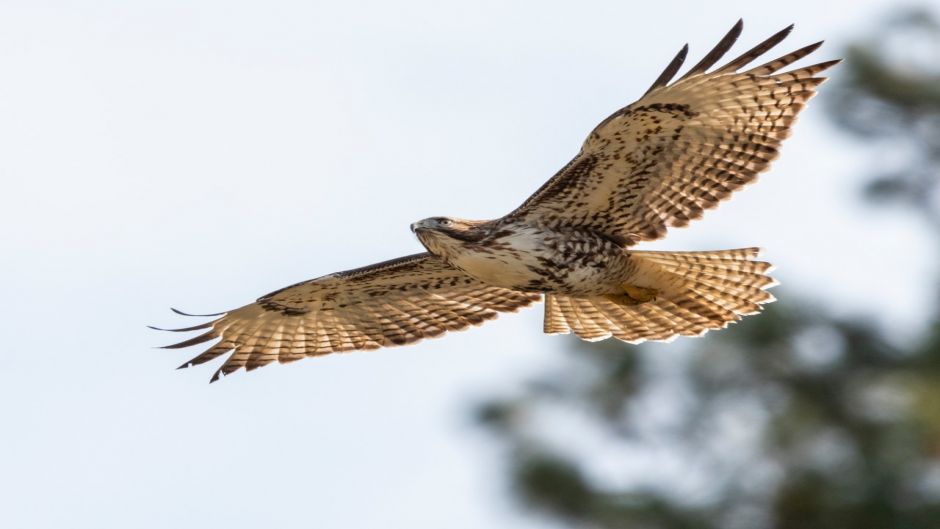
(798, 419)
(888, 93)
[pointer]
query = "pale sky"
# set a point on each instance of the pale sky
(200, 154)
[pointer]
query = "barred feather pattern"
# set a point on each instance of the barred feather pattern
(393, 303)
(682, 148)
(698, 292)
(657, 163)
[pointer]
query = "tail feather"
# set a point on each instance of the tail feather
(755, 289)
(732, 301)
(697, 292)
(589, 319)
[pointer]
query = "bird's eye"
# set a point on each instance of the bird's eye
(445, 222)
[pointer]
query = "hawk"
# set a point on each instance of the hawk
(658, 163)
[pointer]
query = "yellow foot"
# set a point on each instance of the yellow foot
(640, 294)
(633, 295)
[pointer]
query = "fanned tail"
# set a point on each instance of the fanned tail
(690, 294)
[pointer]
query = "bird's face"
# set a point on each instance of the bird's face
(446, 235)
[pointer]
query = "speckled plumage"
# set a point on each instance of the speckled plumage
(657, 163)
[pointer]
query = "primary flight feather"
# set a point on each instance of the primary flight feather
(659, 162)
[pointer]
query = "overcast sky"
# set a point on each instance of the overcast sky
(200, 154)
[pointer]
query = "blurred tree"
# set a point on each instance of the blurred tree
(796, 420)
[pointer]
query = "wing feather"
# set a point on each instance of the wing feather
(391, 303)
(682, 148)
(750, 55)
(717, 52)
(671, 69)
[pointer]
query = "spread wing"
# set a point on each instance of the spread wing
(392, 303)
(681, 148)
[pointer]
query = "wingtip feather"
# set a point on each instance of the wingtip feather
(181, 313)
(718, 51)
(671, 69)
(758, 50)
(205, 337)
(184, 329)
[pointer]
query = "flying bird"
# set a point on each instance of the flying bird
(660, 162)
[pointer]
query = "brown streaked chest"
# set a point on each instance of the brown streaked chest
(533, 258)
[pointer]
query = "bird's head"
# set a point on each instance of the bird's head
(445, 235)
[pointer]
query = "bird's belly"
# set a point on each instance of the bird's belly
(499, 269)
(545, 265)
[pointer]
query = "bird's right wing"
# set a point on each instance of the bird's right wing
(396, 302)
(682, 148)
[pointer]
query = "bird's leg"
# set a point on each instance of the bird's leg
(634, 295)
(641, 294)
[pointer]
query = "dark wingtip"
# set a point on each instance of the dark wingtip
(758, 50)
(193, 341)
(814, 46)
(718, 51)
(181, 313)
(783, 33)
(671, 69)
(828, 64)
(184, 329)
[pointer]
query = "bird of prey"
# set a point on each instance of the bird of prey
(660, 162)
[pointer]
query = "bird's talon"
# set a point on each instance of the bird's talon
(640, 294)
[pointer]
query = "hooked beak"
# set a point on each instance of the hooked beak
(420, 226)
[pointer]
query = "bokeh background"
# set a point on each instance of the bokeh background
(200, 154)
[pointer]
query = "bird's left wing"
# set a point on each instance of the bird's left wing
(681, 148)
(396, 302)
